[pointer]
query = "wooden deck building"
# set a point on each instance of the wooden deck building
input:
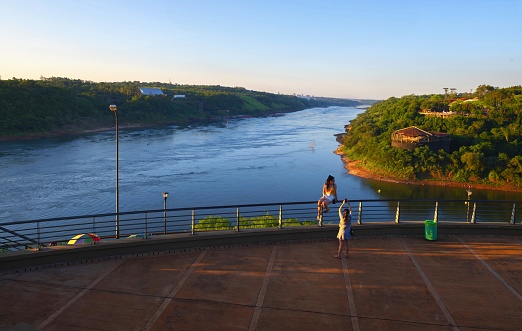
(413, 137)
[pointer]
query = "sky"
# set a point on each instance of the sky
(371, 49)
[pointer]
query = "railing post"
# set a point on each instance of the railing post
(436, 215)
(359, 217)
(237, 218)
(514, 213)
(280, 216)
(38, 244)
(164, 221)
(468, 203)
(193, 221)
(467, 210)
(145, 234)
(398, 212)
(473, 221)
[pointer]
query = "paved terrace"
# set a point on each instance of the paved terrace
(271, 280)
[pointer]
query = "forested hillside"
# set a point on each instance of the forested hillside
(485, 137)
(62, 105)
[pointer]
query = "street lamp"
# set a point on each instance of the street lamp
(165, 195)
(113, 109)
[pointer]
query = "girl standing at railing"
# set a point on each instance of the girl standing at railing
(345, 226)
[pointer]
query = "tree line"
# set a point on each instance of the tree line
(485, 129)
(63, 105)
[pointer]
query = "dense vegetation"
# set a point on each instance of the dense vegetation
(62, 105)
(212, 223)
(485, 133)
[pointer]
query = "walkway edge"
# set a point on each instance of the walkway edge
(28, 260)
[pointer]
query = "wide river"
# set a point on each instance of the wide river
(242, 161)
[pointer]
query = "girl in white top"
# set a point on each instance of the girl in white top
(345, 225)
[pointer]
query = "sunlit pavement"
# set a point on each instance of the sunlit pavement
(387, 283)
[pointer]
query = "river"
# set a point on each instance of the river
(242, 161)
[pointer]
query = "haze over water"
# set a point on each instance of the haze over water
(252, 160)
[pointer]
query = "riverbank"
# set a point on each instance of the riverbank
(357, 169)
(78, 131)
(51, 134)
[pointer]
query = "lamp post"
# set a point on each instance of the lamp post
(165, 195)
(114, 109)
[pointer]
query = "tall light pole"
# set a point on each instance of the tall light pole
(165, 195)
(113, 109)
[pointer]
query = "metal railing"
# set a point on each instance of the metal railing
(147, 223)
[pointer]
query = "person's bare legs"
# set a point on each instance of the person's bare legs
(326, 202)
(339, 249)
(320, 204)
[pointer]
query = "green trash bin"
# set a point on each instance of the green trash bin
(430, 230)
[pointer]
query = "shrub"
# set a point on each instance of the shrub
(212, 223)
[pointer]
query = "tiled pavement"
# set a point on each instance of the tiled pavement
(387, 283)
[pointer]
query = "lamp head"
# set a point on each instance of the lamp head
(165, 195)
(112, 107)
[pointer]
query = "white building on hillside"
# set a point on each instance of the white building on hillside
(150, 91)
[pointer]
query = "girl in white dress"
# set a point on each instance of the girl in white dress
(345, 225)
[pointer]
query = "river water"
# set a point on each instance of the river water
(242, 161)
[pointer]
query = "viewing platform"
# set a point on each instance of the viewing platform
(470, 278)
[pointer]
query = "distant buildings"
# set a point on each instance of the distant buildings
(413, 137)
(442, 114)
(150, 91)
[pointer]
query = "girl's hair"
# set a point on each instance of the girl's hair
(346, 214)
(329, 179)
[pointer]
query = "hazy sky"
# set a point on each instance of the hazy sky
(346, 48)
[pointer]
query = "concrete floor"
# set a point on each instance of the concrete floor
(387, 283)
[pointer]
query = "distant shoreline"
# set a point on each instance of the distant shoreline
(355, 168)
(48, 135)
(61, 133)
(79, 131)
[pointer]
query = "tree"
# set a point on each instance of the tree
(483, 89)
(513, 172)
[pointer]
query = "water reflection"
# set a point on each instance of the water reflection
(388, 190)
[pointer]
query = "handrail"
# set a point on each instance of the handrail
(18, 235)
(145, 223)
(247, 205)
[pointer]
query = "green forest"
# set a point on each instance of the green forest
(485, 129)
(32, 108)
